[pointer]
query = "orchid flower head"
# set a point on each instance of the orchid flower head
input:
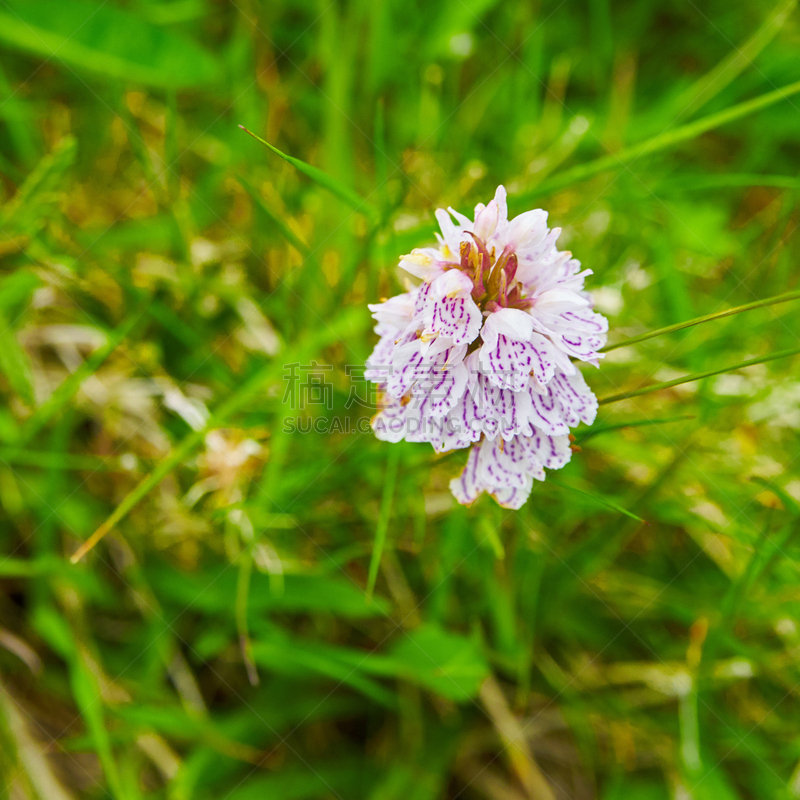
(482, 352)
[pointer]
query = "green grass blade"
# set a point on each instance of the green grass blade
(789, 503)
(344, 193)
(690, 183)
(14, 363)
(714, 81)
(727, 70)
(69, 388)
(634, 423)
(18, 119)
(28, 568)
(181, 452)
(103, 39)
(85, 687)
(383, 518)
(87, 694)
(242, 595)
(23, 211)
(655, 144)
(235, 402)
(770, 301)
(603, 501)
(17, 288)
(698, 376)
(55, 460)
(285, 231)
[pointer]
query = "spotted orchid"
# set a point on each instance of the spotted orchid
(481, 352)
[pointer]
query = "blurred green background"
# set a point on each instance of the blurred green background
(631, 633)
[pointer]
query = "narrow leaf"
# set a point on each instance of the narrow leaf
(16, 289)
(242, 595)
(698, 182)
(634, 423)
(714, 81)
(234, 403)
(107, 40)
(345, 193)
(789, 503)
(770, 301)
(662, 141)
(88, 697)
(69, 388)
(603, 501)
(23, 211)
(14, 363)
(449, 664)
(699, 376)
(287, 233)
(27, 568)
(56, 460)
(383, 518)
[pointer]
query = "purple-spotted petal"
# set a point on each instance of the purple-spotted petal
(379, 363)
(509, 364)
(407, 365)
(546, 412)
(506, 464)
(509, 322)
(452, 312)
(396, 311)
(440, 390)
(577, 401)
(552, 452)
(466, 487)
(515, 497)
(390, 423)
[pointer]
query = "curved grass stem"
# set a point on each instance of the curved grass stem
(698, 376)
(770, 301)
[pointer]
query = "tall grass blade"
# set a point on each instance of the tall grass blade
(14, 362)
(242, 595)
(345, 193)
(714, 81)
(698, 376)
(70, 386)
(55, 460)
(789, 503)
(691, 183)
(770, 301)
(285, 231)
(655, 144)
(634, 423)
(383, 518)
(104, 39)
(236, 401)
(603, 501)
(21, 213)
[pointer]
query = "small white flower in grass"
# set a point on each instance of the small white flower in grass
(481, 353)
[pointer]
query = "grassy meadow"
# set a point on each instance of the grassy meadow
(215, 583)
